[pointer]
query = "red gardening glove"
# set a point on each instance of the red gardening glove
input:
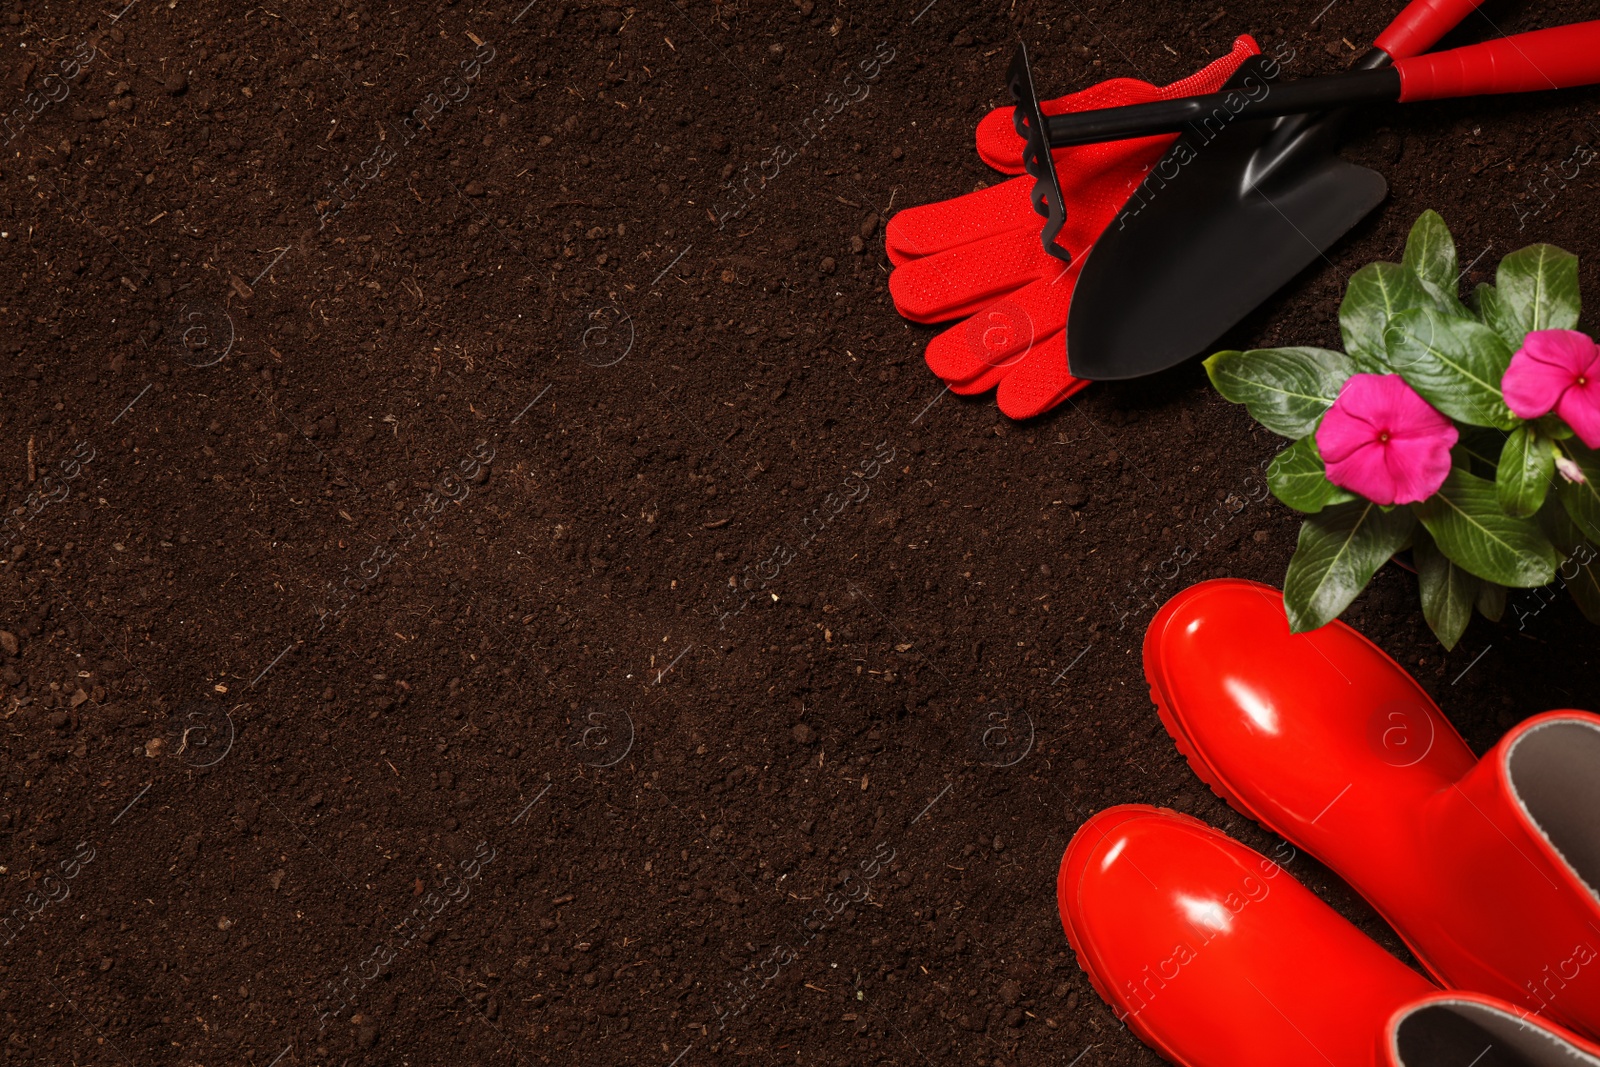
(979, 256)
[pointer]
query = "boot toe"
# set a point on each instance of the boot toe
(1298, 731)
(1212, 954)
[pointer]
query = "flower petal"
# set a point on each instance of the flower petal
(1384, 441)
(1579, 408)
(1418, 420)
(1341, 432)
(1366, 471)
(1419, 465)
(1561, 348)
(1384, 400)
(1547, 364)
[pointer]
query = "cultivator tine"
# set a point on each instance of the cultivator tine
(1046, 194)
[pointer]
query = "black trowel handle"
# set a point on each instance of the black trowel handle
(1560, 58)
(1209, 114)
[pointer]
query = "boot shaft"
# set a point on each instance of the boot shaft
(1514, 849)
(1461, 1029)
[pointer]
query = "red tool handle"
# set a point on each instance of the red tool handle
(1419, 27)
(1559, 58)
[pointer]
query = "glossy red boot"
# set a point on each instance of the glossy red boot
(1216, 957)
(1472, 1030)
(1487, 868)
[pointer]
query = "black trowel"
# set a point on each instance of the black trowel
(1216, 228)
(1251, 193)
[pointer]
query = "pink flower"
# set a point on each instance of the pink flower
(1382, 440)
(1557, 370)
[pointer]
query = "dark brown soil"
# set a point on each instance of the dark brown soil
(380, 692)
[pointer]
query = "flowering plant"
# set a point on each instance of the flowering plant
(1467, 433)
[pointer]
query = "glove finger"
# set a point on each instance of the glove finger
(959, 280)
(930, 228)
(1004, 330)
(981, 384)
(963, 280)
(1039, 381)
(1001, 148)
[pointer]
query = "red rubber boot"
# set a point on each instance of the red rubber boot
(1462, 1029)
(1214, 956)
(1487, 868)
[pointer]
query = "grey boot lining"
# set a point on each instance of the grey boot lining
(1554, 771)
(1464, 1033)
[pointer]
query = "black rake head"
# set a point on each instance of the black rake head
(1029, 120)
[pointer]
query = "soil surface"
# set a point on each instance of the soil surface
(385, 421)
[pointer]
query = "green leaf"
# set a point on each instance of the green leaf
(1448, 591)
(1498, 316)
(1449, 303)
(1527, 464)
(1539, 286)
(1299, 478)
(1482, 298)
(1580, 569)
(1431, 256)
(1377, 293)
(1582, 499)
(1559, 527)
(1338, 552)
(1552, 427)
(1285, 389)
(1491, 600)
(1431, 251)
(1465, 519)
(1456, 364)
